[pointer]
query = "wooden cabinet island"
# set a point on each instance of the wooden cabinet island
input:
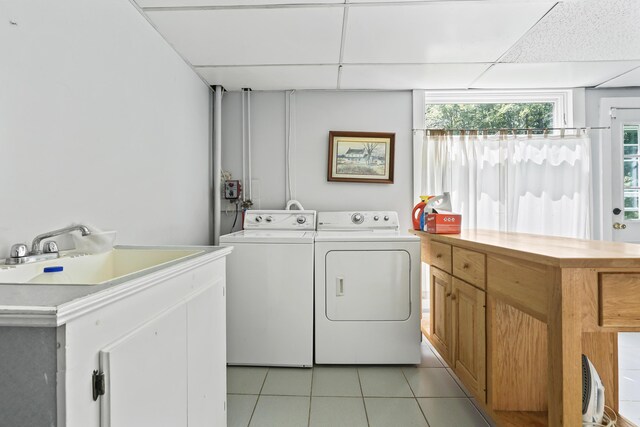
(513, 313)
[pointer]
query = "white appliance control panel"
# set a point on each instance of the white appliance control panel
(358, 220)
(279, 220)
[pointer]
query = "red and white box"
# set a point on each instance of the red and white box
(443, 223)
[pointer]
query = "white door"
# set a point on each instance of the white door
(625, 223)
(368, 285)
(625, 175)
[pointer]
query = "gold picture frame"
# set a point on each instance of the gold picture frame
(361, 157)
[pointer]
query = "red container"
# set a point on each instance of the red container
(417, 213)
(443, 223)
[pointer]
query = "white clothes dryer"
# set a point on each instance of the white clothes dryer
(270, 289)
(367, 290)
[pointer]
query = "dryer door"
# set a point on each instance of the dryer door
(368, 285)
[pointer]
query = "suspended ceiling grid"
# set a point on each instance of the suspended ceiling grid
(449, 44)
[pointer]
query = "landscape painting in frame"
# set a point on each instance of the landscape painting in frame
(361, 157)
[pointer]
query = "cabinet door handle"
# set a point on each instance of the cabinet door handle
(453, 297)
(448, 294)
(465, 266)
(339, 286)
(438, 255)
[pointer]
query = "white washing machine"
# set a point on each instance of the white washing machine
(367, 290)
(270, 289)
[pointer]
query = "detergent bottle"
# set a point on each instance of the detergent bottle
(417, 214)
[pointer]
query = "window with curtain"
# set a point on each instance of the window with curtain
(521, 181)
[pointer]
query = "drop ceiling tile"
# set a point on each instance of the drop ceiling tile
(392, 1)
(439, 32)
(302, 35)
(451, 1)
(410, 76)
(272, 77)
(552, 75)
(224, 3)
(632, 78)
(590, 30)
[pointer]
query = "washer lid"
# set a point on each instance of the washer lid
(364, 236)
(269, 237)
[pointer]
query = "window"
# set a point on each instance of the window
(490, 116)
(481, 109)
(497, 110)
(631, 182)
(510, 182)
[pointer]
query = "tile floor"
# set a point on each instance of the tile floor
(352, 396)
(629, 375)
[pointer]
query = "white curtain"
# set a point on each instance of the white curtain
(528, 184)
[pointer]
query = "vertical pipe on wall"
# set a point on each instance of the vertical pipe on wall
(289, 145)
(217, 162)
(244, 153)
(287, 141)
(212, 202)
(249, 144)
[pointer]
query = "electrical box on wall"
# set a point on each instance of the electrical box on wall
(232, 189)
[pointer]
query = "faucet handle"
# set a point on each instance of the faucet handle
(19, 250)
(50, 247)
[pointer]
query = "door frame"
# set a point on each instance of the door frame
(604, 154)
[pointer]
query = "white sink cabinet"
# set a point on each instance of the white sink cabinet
(157, 340)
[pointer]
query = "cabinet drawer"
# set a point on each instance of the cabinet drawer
(620, 299)
(440, 256)
(524, 285)
(469, 266)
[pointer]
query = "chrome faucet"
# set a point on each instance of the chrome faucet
(20, 255)
(35, 246)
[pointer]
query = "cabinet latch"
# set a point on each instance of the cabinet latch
(97, 381)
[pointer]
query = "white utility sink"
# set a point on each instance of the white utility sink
(84, 269)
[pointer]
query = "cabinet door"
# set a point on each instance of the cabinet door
(468, 343)
(441, 311)
(207, 356)
(146, 374)
(170, 371)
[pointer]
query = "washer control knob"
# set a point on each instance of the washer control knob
(269, 219)
(375, 218)
(386, 217)
(259, 218)
(357, 218)
(301, 219)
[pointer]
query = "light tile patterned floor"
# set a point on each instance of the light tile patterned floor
(629, 368)
(427, 395)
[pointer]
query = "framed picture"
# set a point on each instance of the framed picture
(361, 157)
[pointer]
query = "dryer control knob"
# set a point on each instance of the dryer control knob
(258, 218)
(375, 218)
(269, 219)
(386, 218)
(301, 219)
(357, 218)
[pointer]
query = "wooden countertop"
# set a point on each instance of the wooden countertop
(556, 251)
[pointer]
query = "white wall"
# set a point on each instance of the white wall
(592, 101)
(317, 113)
(100, 122)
